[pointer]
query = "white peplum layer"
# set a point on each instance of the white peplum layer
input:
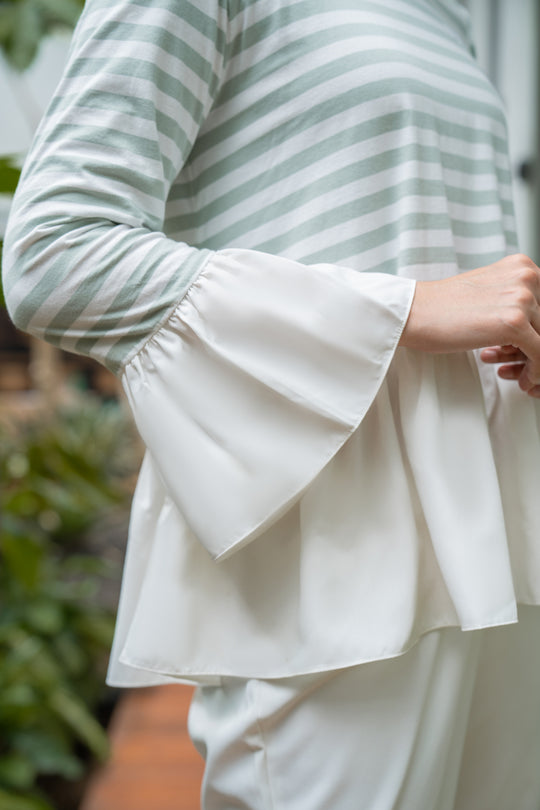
(314, 497)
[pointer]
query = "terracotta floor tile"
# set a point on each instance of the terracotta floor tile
(153, 765)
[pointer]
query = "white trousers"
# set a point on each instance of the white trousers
(453, 724)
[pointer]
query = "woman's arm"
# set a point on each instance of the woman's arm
(86, 264)
(497, 306)
(246, 372)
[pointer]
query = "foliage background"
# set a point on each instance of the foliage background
(62, 472)
(23, 24)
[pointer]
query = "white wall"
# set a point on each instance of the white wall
(507, 41)
(24, 98)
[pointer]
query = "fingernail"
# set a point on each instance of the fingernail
(489, 354)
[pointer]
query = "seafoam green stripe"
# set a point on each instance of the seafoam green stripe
(140, 330)
(303, 11)
(110, 194)
(313, 152)
(367, 240)
(407, 257)
(167, 41)
(142, 110)
(61, 269)
(337, 34)
(111, 140)
(90, 287)
(108, 198)
(470, 261)
(130, 68)
(283, 131)
(341, 178)
(476, 230)
(35, 249)
(363, 204)
(347, 250)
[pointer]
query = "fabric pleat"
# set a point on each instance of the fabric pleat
(289, 521)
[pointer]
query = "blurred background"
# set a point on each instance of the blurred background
(68, 463)
(68, 452)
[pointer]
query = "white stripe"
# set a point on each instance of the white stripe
(324, 21)
(81, 116)
(362, 112)
(149, 55)
(139, 88)
(369, 148)
(151, 17)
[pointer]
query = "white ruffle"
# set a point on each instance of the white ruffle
(245, 394)
(368, 487)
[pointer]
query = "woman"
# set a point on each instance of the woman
(337, 484)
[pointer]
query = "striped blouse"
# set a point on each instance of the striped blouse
(228, 204)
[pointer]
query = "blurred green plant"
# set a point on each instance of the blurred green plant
(24, 23)
(63, 473)
(2, 299)
(59, 477)
(9, 175)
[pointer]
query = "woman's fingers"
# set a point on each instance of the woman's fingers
(517, 371)
(530, 376)
(511, 372)
(514, 365)
(530, 388)
(502, 354)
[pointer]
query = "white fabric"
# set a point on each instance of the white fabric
(454, 724)
(241, 397)
(252, 389)
(392, 527)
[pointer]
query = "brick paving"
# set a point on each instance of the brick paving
(153, 765)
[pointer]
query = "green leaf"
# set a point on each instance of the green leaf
(49, 751)
(76, 715)
(71, 652)
(89, 566)
(2, 296)
(9, 801)
(9, 175)
(23, 557)
(16, 772)
(44, 616)
(99, 627)
(19, 695)
(8, 21)
(24, 23)
(30, 660)
(65, 12)
(22, 44)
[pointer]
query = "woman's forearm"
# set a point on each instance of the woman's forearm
(497, 306)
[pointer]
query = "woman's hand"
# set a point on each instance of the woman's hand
(513, 362)
(497, 306)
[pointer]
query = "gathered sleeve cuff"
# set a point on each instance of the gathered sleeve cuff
(255, 381)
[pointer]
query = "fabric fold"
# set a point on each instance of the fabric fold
(245, 393)
(263, 455)
(377, 551)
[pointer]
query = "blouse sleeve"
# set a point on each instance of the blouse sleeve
(86, 265)
(246, 372)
